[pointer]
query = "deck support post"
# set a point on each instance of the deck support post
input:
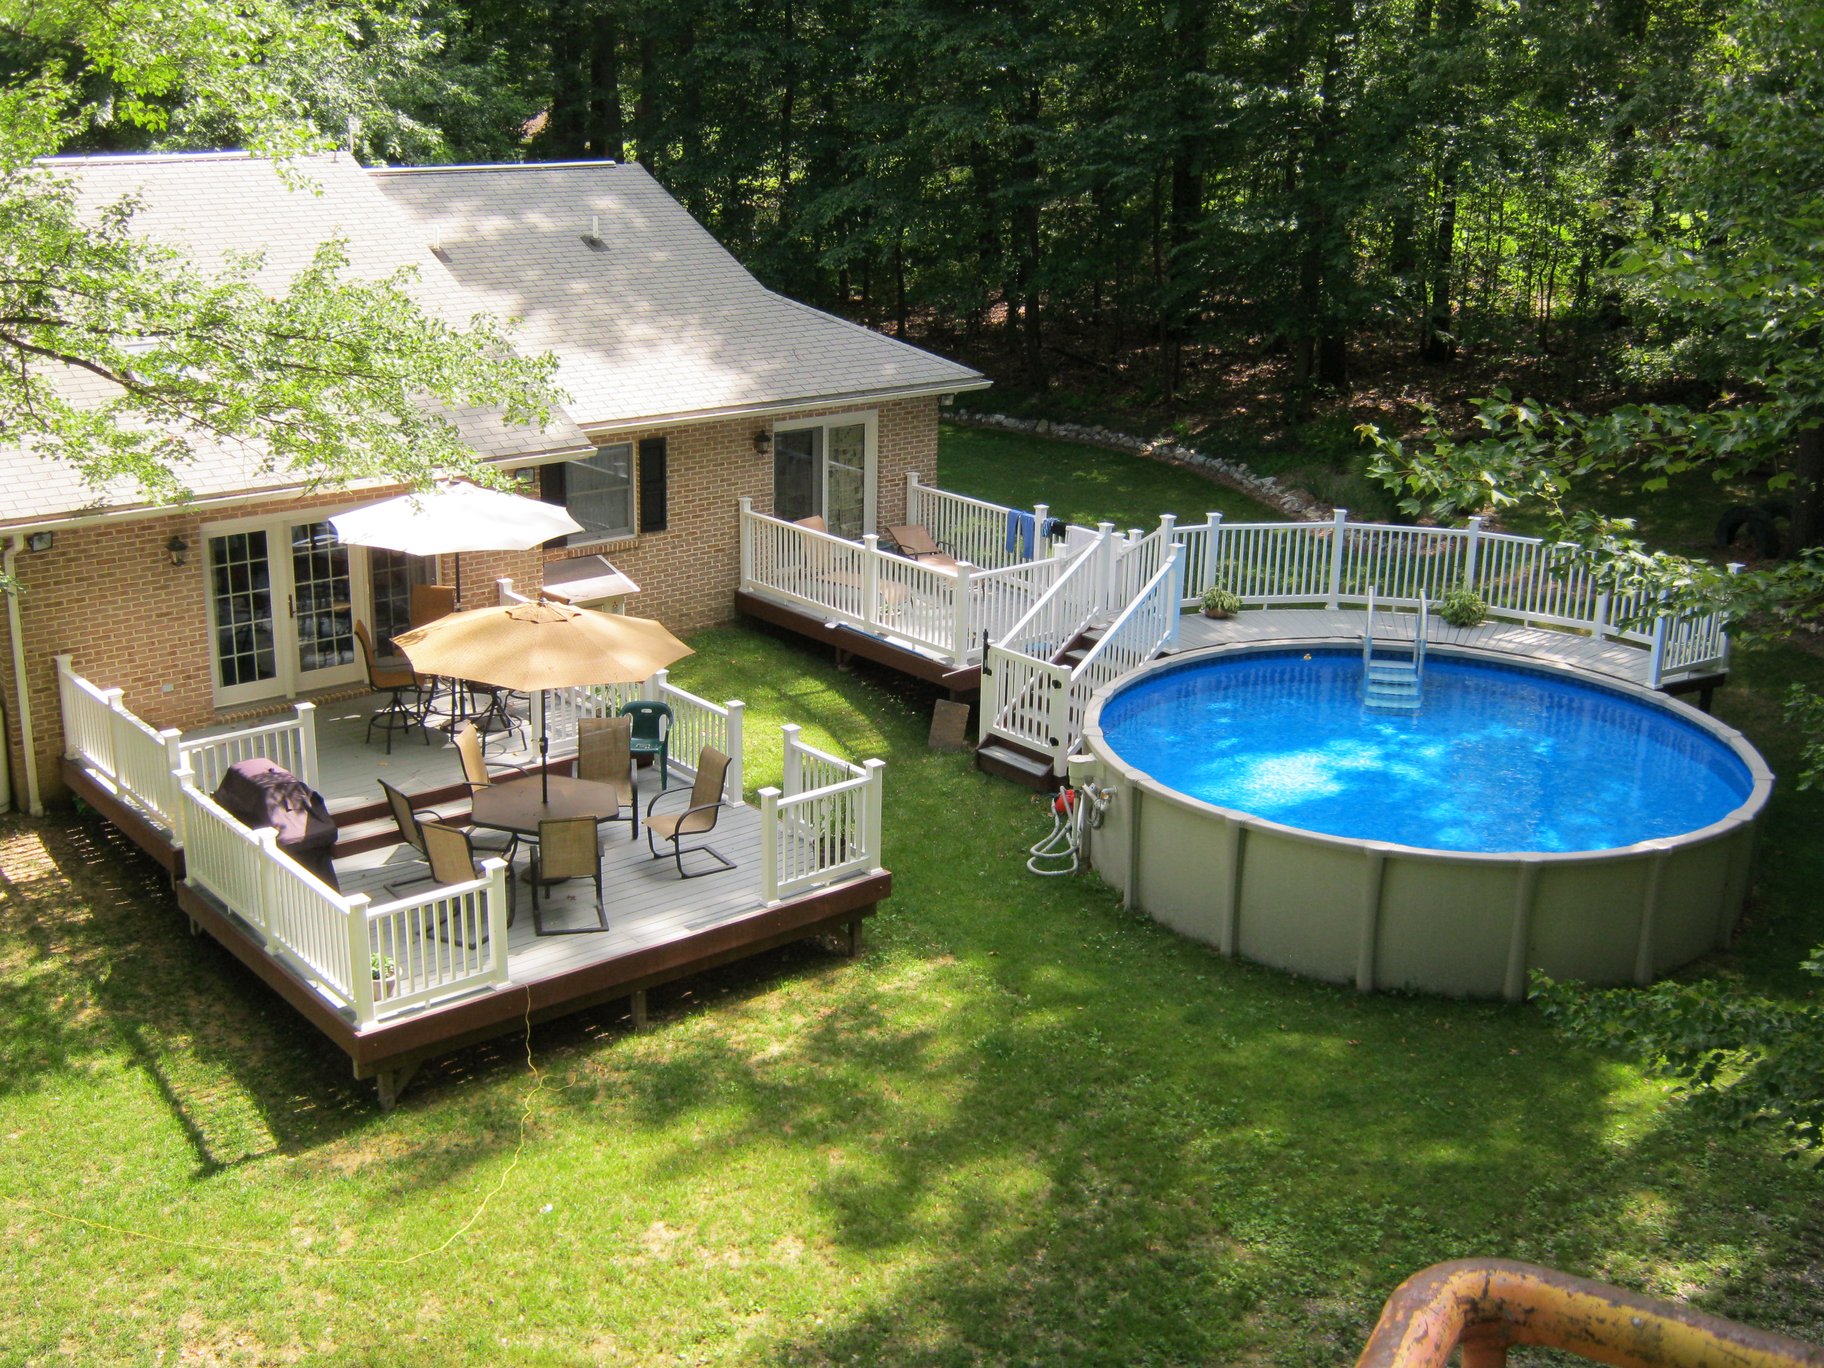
(855, 945)
(1335, 590)
(747, 544)
(307, 741)
(636, 1008)
(389, 1083)
(962, 600)
(1471, 545)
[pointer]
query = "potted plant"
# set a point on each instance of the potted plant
(1220, 603)
(386, 976)
(1462, 607)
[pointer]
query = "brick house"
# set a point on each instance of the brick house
(689, 385)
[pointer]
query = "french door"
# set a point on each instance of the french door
(282, 596)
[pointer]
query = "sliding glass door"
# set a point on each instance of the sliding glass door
(826, 469)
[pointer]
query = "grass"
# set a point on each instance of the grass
(1083, 484)
(1027, 1127)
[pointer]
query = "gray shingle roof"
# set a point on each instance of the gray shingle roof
(211, 206)
(661, 323)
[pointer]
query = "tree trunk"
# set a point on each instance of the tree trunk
(1808, 491)
(646, 106)
(1438, 343)
(607, 133)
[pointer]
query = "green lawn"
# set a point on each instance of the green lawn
(1026, 1127)
(1082, 484)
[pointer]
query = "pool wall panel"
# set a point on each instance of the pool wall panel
(1586, 918)
(1301, 905)
(1445, 926)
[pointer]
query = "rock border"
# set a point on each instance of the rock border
(1294, 503)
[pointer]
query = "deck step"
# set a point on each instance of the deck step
(372, 827)
(1021, 766)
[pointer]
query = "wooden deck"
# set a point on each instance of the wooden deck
(846, 641)
(661, 927)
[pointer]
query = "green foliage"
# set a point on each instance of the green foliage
(1748, 1060)
(1462, 607)
(1217, 599)
(332, 377)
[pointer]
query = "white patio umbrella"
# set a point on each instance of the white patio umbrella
(541, 646)
(451, 518)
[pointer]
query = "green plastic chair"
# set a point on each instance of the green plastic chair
(652, 734)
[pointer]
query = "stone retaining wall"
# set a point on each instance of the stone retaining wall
(1294, 503)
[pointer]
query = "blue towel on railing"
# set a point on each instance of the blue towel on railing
(1022, 534)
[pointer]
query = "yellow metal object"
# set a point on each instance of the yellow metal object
(1487, 1305)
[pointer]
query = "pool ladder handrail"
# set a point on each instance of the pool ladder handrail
(1395, 684)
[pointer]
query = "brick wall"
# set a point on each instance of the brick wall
(108, 595)
(688, 573)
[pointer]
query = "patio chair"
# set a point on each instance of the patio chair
(455, 860)
(604, 755)
(411, 821)
(916, 543)
(476, 771)
(699, 819)
(652, 734)
(568, 848)
(396, 714)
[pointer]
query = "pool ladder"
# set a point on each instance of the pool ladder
(1394, 683)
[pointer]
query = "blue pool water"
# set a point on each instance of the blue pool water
(1498, 759)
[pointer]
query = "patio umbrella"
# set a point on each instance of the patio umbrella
(541, 646)
(452, 518)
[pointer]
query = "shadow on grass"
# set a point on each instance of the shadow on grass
(110, 969)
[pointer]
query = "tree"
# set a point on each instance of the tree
(1736, 279)
(336, 378)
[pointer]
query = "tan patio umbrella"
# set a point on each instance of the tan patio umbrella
(541, 646)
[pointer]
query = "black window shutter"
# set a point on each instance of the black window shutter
(653, 516)
(551, 490)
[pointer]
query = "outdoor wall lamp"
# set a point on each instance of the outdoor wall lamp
(175, 548)
(40, 541)
(763, 441)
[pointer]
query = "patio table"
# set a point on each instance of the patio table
(515, 805)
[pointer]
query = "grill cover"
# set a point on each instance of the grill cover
(258, 793)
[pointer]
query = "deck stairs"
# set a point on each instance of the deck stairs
(1393, 673)
(1008, 758)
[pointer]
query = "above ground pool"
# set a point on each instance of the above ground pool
(1525, 817)
(1498, 758)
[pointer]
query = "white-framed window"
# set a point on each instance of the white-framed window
(598, 492)
(825, 466)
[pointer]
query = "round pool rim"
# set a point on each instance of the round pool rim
(1292, 919)
(1760, 776)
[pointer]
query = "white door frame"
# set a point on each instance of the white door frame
(869, 420)
(288, 678)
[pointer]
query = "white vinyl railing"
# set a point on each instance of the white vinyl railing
(1077, 595)
(290, 744)
(972, 530)
(926, 607)
(1040, 705)
(695, 722)
(135, 759)
(1521, 579)
(824, 824)
(372, 961)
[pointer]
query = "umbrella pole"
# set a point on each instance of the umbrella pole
(544, 749)
(459, 579)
